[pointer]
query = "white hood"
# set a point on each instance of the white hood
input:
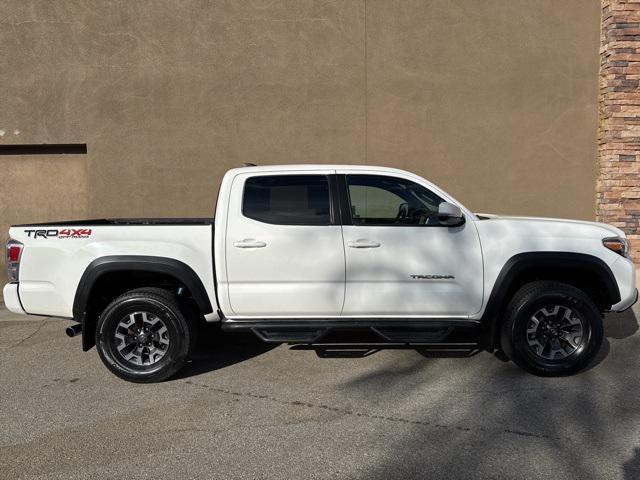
(604, 226)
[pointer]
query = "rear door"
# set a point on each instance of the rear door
(400, 261)
(284, 248)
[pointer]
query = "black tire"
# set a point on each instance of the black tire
(540, 299)
(157, 304)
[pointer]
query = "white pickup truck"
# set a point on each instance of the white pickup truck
(340, 259)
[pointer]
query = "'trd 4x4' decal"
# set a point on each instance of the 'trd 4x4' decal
(64, 233)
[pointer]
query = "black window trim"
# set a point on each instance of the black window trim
(343, 199)
(345, 203)
(332, 190)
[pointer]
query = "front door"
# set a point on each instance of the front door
(399, 259)
(284, 251)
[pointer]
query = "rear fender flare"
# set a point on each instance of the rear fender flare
(114, 263)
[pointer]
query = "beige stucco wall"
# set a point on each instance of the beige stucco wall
(494, 100)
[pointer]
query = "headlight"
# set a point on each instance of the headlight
(617, 244)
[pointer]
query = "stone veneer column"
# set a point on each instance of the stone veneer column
(618, 183)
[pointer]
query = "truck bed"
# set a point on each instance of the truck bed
(123, 221)
(56, 255)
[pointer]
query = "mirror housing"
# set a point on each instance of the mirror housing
(450, 215)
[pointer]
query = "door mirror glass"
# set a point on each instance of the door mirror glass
(450, 215)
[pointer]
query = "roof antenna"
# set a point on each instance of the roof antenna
(249, 165)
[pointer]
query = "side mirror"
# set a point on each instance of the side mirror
(450, 215)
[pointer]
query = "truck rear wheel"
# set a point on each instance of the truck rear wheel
(143, 336)
(551, 329)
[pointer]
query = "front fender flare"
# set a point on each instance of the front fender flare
(522, 262)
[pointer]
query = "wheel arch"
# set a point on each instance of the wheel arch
(586, 272)
(117, 266)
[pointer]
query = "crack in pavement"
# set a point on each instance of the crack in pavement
(31, 334)
(343, 411)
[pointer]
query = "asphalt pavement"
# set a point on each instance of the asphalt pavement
(243, 409)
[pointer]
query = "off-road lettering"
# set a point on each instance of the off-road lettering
(64, 233)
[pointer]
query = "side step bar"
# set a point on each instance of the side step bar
(378, 331)
(357, 350)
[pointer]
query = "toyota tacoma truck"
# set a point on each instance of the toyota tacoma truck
(343, 260)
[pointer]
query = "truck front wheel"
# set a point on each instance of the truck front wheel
(551, 329)
(143, 336)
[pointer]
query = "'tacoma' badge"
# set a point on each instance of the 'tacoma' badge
(432, 277)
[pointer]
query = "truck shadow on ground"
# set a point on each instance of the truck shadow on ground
(631, 468)
(616, 326)
(216, 350)
(544, 416)
(496, 418)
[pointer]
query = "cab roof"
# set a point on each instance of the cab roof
(319, 166)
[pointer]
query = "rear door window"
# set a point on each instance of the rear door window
(287, 199)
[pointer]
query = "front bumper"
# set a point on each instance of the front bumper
(624, 306)
(624, 272)
(11, 298)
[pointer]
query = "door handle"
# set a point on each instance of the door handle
(249, 243)
(363, 243)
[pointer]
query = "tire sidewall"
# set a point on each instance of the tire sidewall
(177, 333)
(520, 351)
